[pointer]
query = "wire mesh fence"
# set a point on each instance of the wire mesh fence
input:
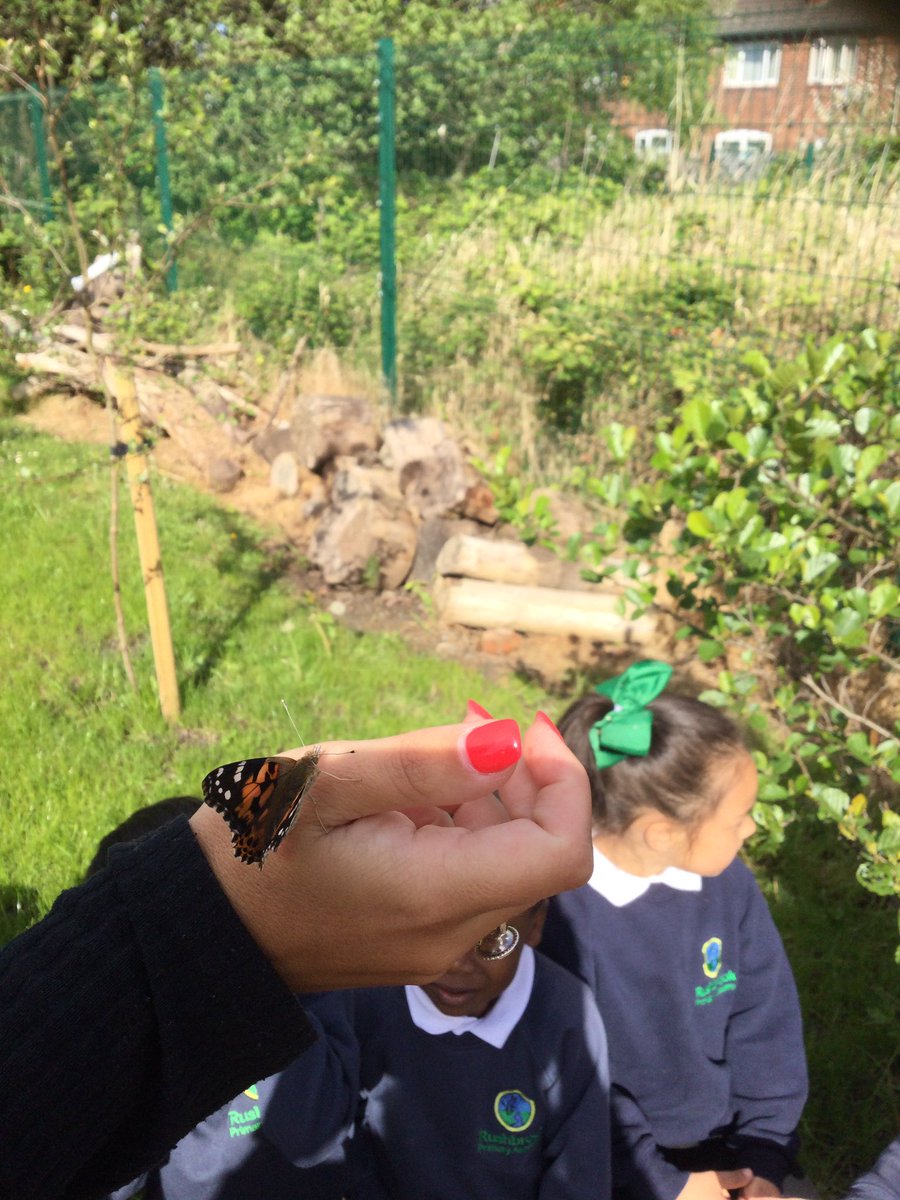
(577, 216)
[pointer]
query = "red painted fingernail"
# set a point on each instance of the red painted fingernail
(493, 747)
(475, 710)
(542, 716)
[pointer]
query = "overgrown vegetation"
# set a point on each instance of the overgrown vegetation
(772, 509)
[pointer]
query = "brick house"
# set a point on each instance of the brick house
(794, 75)
(802, 70)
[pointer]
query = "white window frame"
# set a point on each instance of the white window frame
(737, 58)
(644, 139)
(832, 62)
(744, 139)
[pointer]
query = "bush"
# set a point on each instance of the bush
(786, 495)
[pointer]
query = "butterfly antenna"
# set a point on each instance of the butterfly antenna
(293, 723)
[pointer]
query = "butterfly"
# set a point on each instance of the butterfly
(260, 799)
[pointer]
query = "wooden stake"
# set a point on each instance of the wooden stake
(123, 389)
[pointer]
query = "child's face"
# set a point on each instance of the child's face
(713, 845)
(472, 984)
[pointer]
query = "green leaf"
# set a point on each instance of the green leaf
(699, 524)
(757, 362)
(818, 564)
(620, 440)
(832, 800)
(884, 599)
(708, 650)
(847, 628)
(823, 428)
(869, 460)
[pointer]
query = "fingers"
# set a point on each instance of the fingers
(444, 766)
(734, 1180)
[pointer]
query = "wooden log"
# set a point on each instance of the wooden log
(594, 616)
(501, 561)
(102, 342)
(73, 366)
(209, 350)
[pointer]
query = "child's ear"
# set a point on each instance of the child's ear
(661, 834)
(537, 924)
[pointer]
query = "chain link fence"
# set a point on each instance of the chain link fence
(562, 218)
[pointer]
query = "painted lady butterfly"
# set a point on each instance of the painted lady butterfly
(260, 799)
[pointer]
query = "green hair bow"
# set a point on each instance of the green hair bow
(625, 732)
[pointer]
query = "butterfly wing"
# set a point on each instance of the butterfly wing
(260, 799)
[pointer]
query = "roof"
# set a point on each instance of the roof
(806, 18)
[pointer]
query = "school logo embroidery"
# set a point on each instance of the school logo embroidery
(720, 983)
(514, 1110)
(515, 1113)
(712, 957)
(252, 1092)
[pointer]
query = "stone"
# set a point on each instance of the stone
(284, 475)
(275, 440)
(324, 427)
(365, 540)
(352, 479)
(430, 465)
(223, 474)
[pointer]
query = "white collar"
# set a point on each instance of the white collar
(496, 1025)
(621, 887)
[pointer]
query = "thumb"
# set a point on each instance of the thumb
(735, 1179)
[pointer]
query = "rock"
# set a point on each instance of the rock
(285, 474)
(433, 535)
(503, 642)
(352, 479)
(365, 540)
(429, 463)
(324, 427)
(223, 474)
(275, 440)
(478, 502)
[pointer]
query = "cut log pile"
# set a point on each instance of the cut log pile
(371, 501)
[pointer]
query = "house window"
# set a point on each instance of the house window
(832, 62)
(653, 143)
(753, 64)
(742, 153)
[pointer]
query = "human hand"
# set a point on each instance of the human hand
(715, 1185)
(433, 838)
(759, 1187)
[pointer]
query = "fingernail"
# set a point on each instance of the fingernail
(475, 710)
(542, 716)
(493, 747)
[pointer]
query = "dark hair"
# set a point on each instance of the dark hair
(689, 739)
(140, 824)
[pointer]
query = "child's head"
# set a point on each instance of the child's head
(696, 771)
(141, 823)
(473, 983)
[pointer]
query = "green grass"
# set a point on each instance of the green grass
(81, 751)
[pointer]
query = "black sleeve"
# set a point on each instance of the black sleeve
(137, 1007)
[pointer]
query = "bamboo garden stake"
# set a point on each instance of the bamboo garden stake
(123, 390)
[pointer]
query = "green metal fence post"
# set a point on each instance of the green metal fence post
(162, 167)
(36, 111)
(387, 195)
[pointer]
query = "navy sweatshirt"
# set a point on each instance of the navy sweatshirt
(123, 1024)
(703, 1021)
(229, 1156)
(883, 1181)
(448, 1116)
